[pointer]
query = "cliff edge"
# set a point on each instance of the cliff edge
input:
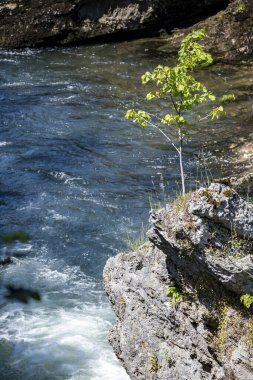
(177, 298)
(229, 33)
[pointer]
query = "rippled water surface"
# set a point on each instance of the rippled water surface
(78, 178)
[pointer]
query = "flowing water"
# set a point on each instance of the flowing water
(78, 179)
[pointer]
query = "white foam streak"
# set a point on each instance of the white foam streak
(63, 336)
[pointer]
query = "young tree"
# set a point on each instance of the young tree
(183, 92)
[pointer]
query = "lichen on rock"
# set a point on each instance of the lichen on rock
(202, 252)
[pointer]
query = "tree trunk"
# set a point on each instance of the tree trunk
(181, 165)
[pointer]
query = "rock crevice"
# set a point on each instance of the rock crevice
(177, 299)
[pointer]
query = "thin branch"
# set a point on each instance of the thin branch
(164, 134)
(155, 116)
(180, 109)
(173, 102)
(181, 161)
(203, 118)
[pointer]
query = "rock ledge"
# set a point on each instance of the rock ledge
(200, 248)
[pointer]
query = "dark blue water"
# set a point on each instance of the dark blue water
(78, 178)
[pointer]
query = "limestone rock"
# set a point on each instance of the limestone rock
(192, 250)
(229, 32)
(27, 23)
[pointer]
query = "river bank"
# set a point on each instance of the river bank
(63, 23)
(79, 180)
(31, 24)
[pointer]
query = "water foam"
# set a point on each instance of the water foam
(65, 335)
(4, 143)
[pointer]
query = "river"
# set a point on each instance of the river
(80, 180)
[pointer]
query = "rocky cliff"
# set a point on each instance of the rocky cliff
(177, 298)
(229, 32)
(27, 23)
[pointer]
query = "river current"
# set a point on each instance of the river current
(80, 180)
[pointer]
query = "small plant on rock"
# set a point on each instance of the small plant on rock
(183, 92)
(221, 337)
(180, 202)
(175, 294)
(138, 242)
(237, 247)
(154, 364)
(240, 8)
(169, 359)
(247, 300)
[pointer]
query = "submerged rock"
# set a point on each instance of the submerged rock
(177, 299)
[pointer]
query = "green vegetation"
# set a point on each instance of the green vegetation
(175, 294)
(234, 326)
(228, 193)
(153, 363)
(180, 202)
(222, 327)
(233, 246)
(227, 320)
(134, 244)
(12, 237)
(168, 358)
(247, 300)
(240, 8)
(237, 247)
(183, 92)
(248, 337)
(210, 198)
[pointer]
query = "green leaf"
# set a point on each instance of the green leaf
(140, 117)
(145, 78)
(179, 120)
(211, 97)
(168, 119)
(175, 294)
(227, 98)
(217, 112)
(150, 96)
(192, 54)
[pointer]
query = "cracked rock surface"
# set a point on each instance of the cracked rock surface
(29, 23)
(229, 32)
(200, 246)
